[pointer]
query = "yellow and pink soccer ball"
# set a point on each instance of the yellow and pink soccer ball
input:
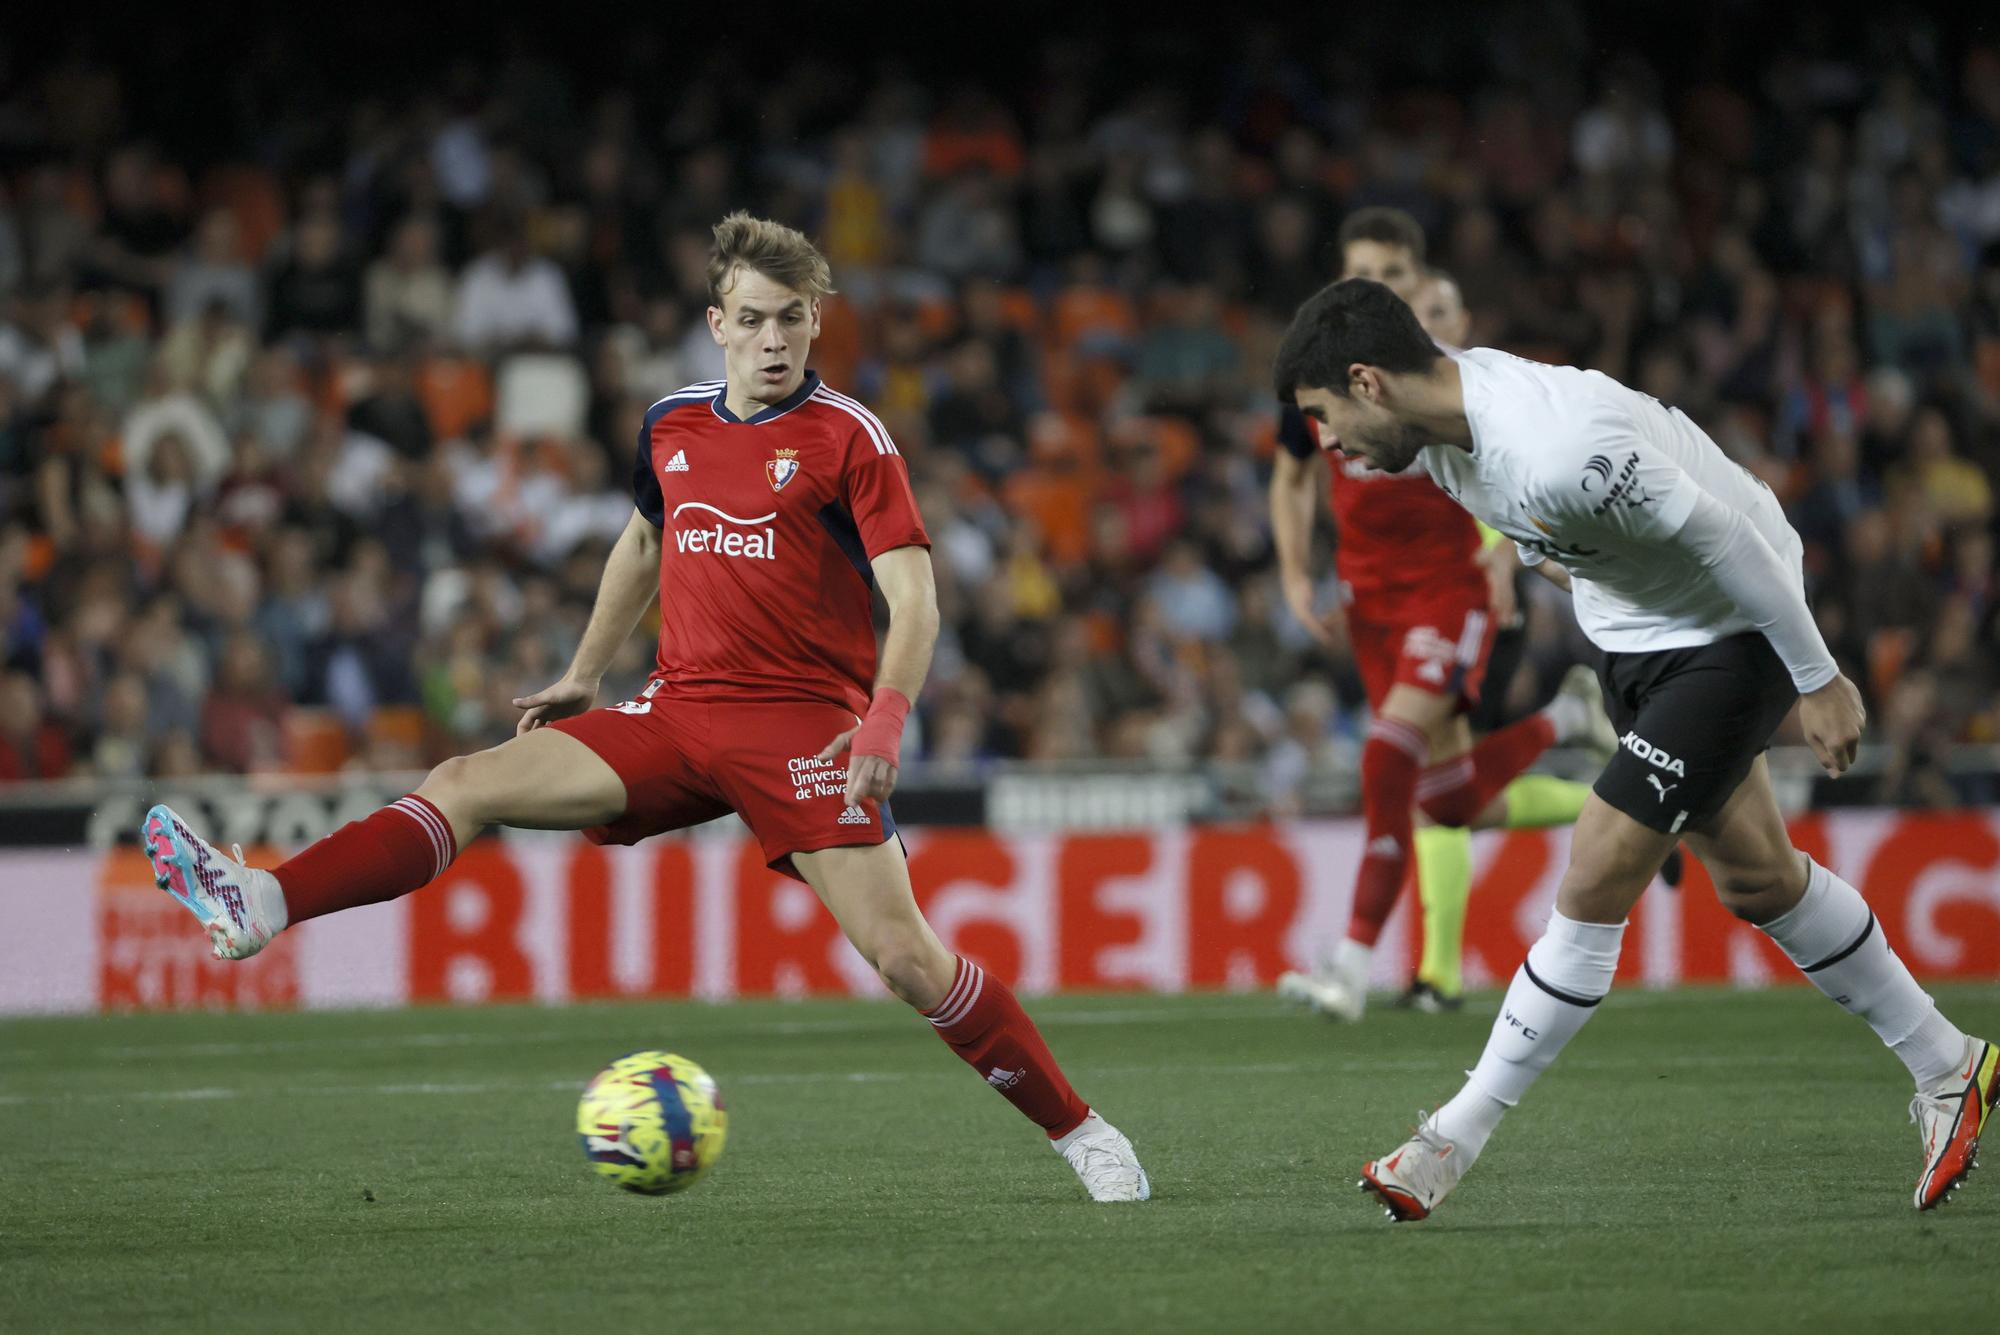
(652, 1122)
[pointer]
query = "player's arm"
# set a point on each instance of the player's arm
(909, 587)
(1762, 587)
(631, 579)
(1298, 474)
(1553, 573)
(876, 487)
(1672, 510)
(1499, 563)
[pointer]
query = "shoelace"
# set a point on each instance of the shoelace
(236, 851)
(1936, 1105)
(1426, 1171)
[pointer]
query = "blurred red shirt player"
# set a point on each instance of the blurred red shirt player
(769, 509)
(1417, 599)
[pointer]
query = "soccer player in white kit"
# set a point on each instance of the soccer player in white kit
(1686, 574)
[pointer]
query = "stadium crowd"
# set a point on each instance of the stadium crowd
(312, 444)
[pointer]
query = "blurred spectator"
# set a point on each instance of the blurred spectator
(314, 290)
(409, 298)
(31, 746)
(214, 274)
(38, 346)
(511, 298)
(241, 721)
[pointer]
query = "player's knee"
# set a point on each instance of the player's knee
(1756, 894)
(1459, 808)
(449, 778)
(454, 785)
(904, 960)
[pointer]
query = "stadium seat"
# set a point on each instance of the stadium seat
(315, 742)
(254, 196)
(457, 394)
(402, 725)
(1021, 311)
(541, 393)
(838, 350)
(1059, 502)
(1986, 365)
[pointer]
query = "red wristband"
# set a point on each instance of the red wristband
(881, 734)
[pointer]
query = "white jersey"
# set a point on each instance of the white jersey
(1575, 467)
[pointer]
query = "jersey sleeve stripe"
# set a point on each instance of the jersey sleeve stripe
(876, 431)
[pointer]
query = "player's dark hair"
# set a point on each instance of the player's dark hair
(1388, 227)
(782, 254)
(1354, 320)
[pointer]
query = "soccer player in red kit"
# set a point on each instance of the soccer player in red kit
(770, 509)
(1416, 595)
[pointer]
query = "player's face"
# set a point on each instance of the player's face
(1441, 311)
(1359, 426)
(766, 329)
(1392, 266)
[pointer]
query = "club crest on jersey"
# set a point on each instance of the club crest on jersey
(782, 469)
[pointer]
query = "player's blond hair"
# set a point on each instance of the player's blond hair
(782, 254)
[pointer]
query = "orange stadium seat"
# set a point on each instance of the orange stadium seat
(398, 725)
(1889, 653)
(1059, 502)
(1064, 440)
(315, 742)
(254, 196)
(1986, 364)
(1080, 311)
(1021, 311)
(1177, 441)
(837, 351)
(457, 393)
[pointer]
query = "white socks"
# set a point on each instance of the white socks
(1351, 960)
(1834, 939)
(1554, 991)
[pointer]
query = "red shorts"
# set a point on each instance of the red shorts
(684, 762)
(1438, 645)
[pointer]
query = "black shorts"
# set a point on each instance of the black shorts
(1490, 713)
(1691, 723)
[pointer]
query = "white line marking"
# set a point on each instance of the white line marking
(1440, 1065)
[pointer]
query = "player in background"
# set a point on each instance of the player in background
(1418, 603)
(1686, 574)
(769, 509)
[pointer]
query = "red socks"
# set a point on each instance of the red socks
(1455, 792)
(1390, 759)
(985, 1025)
(402, 847)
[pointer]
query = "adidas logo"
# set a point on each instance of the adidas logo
(677, 464)
(1002, 1078)
(853, 816)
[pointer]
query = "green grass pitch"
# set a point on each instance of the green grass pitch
(1697, 1160)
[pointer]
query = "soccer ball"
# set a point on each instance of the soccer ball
(652, 1122)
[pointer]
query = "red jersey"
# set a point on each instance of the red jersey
(767, 528)
(1399, 533)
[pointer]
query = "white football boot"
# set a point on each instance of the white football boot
(1420, 1173)
(1578, 714)
(1338, 989)
(241, 907)
(1105, 1160)
(1950, 1117)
